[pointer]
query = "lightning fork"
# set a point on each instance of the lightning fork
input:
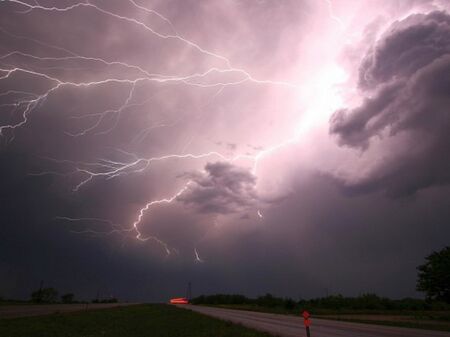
(109, 168)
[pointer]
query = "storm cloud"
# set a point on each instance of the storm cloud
(149, 143)
(222, 188)
(404, 78)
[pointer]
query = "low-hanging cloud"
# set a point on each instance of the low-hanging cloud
(404, 78)
(221, 188)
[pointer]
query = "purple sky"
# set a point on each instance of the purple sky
(292, 147)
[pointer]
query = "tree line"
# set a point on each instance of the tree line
(334, 302)
(433, 279)
(50, 295)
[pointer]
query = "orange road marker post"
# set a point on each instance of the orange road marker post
(307, 322)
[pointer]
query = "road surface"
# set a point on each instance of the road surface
(13, 311)
(291, 326)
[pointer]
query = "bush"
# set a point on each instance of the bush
(44, 295)
(289, 304)
(67, 298)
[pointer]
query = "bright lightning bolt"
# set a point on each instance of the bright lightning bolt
(150, 204)
(25, 103)
(197, 256)
(259, 214)
(193, 79)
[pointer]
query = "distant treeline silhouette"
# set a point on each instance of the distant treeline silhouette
(50, 295)
(334, 302)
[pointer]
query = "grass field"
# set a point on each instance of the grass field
(430, 320)
(405, 321)
(155, 320)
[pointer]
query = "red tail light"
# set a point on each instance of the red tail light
(180, 300)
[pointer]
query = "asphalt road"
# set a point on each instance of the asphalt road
(13, 311)
(291, 326)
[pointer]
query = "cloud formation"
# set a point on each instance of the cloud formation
(221, 188)
(90, 159)
(404, 79)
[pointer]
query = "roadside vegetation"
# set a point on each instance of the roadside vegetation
(50, 295)
(156, 320)
(368, 308)
(433, 312)
(367, 303)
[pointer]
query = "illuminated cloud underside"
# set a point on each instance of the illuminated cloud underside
(208, 122)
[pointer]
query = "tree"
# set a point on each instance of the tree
(434, 276)
(289, 304)
(45, 295)
(67, 298)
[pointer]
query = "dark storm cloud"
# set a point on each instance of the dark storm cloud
(222, 188)
(319, 240)
(405, 48)
(312, 239)
(406, 83)
(62, 133)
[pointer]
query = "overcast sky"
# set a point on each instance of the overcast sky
(296, 147)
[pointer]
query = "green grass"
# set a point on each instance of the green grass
(437, 326)
(155, 320)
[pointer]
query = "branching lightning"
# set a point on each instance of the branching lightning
(24, 103)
